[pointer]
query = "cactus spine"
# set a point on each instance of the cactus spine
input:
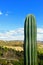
(30, 38)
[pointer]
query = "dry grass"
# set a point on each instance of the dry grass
(18, 45)
(40, 47)
(17, 48)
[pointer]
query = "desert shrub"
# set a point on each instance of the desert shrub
(15, 62)
(5, 49)
(40, 58)
(21, 60)
(3, 62)
(1, 53)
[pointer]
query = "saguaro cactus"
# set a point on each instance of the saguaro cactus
(30, 38)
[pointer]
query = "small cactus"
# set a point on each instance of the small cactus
(30, 41)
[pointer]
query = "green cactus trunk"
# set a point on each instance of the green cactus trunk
(30, 39)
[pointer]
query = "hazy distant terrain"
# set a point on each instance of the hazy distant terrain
(18, 45)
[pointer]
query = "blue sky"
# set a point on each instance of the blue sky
(12, 16)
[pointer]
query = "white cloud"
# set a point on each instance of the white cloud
(40, 34)
(6, 14)
(1, 13)
(40, 30)
(18, 34)
(12, 35)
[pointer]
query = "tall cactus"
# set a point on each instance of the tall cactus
(30, 38)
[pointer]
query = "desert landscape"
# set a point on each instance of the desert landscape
(12, 52)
